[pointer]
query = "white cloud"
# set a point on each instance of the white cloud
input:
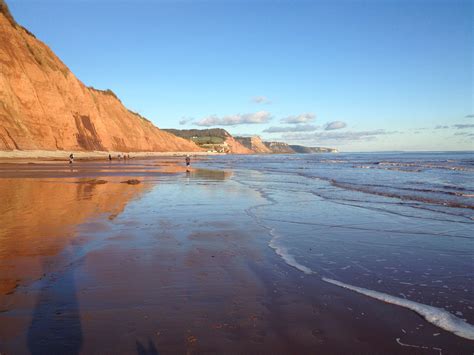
(234, 120)
(302, 118)
(296, 128)
(261, 100)
(335, 125)
(338, 136)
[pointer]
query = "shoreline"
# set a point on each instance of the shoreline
(54, 155)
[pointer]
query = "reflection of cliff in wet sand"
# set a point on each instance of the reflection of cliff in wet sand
(209, 174)
(38, 219)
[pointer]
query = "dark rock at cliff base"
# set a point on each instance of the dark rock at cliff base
(131, 182)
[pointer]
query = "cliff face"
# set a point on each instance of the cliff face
(279, 148)
(235, 147)
(311, 150)
(255, 144)
(44, 106)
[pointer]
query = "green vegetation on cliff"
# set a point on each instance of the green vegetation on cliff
(202, 136)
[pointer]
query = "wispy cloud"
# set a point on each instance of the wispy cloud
(185, 120)
(470, 116)
(302, 118)
(463, 126)
(234, 120)
(296, 128)
(338, 136)
(261, 100)
(441, 127)
(465, 134)
(335, 125)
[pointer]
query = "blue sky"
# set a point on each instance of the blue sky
(357, 75)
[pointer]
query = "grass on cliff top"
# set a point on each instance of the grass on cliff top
(198, 133)
(139, 116)
(6, 11)
(208, 140)
(105, 92)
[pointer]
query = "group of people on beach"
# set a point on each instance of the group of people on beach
(119, 157)
(127, 156)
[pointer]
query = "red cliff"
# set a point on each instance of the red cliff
(44, 106)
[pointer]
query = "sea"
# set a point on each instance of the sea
(395, 226)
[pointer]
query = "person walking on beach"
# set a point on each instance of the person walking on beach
(188, 160)
(71, 158)
(110, 157)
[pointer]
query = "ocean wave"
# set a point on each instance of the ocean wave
(436, 316)
(283, 252)
(368, 189)
(454, 199)
(403, 166)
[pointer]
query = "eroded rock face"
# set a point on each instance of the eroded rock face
(235, 147)
(255, 144)
(279, 147)
(44, 106)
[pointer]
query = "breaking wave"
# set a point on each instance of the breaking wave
(436, 316)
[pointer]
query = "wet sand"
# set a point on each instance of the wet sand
(173, 264)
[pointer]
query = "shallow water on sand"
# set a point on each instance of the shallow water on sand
(231, 256)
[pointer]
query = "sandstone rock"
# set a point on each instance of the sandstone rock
(255, 144)
(235, 147)
(131, 182)
(44, 106)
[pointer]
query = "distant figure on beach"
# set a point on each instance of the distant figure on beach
(119, 157)
(110, 157)
(71, 158)
(188, 160)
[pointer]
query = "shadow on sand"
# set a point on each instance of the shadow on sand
(56, 325)
(149, 349)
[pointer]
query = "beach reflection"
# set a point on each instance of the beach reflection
(208, 174)
(38, 219)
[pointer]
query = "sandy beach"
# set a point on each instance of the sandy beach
(19, 156)
(177, 263)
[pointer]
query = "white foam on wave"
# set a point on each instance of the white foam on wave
(437, 316)
(286, 256)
